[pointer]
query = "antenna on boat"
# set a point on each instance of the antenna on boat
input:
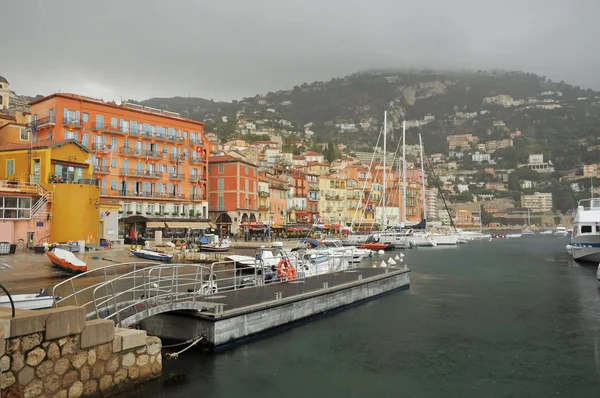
(422, 179)
(403, 171)
(383, 223)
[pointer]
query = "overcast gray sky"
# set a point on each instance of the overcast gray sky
(228, 49)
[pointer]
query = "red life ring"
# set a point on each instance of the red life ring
(285, 269)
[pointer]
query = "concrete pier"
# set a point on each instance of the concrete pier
(236, 316)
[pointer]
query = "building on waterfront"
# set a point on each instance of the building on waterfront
(538, 202)
(153, 162)
(13, 128)
(333, 199)
(431, 195)
(4, 93)
(233, 193)
(313, 196)
(48, 193)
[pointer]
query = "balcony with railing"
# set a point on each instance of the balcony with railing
(264, 194)
(197, 178)
(42, 122)
(71, 122)
(197, 160)
(96, 146)
(134, 152)
(177, 176)
(197, 198)
(278, 185)
(313, 186)
(71, 178)
(101, 169)
(264, 207)
(142, 194)
(334, 197)
(173, 138)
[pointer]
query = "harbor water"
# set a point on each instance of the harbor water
(501, 318)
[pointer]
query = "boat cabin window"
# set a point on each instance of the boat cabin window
(586, 229)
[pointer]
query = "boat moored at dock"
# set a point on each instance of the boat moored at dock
(585, 241)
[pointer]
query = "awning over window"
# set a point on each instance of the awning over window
(200, 225)
(155, 224)
(177, 224)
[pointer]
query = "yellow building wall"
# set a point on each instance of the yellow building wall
(74, 213)
(68, 153)
(20, 158)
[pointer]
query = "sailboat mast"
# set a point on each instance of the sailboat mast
(404, 171)
(383, 222)
(422, 180)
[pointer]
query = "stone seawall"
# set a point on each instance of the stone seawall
(57, 353)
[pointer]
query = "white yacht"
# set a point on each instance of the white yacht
(527, 230)
(354, 254)
(446, 239)
(585, 242)
(561, 231)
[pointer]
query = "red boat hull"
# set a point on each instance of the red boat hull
(374, 246)
(65, 265)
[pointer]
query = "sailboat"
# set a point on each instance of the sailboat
(376, 241)
(527, 230)
(410, 234)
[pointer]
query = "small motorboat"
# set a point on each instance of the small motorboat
(212, 243)
(376, 246)
(514, 236)
(214, 248)
(38, 301)
(547, 232)
(151, 255)
(66, 261)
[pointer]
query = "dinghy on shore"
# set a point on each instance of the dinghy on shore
(66, 261)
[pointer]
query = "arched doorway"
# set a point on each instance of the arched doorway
(252, 217)
(244, 218)
(224, 224)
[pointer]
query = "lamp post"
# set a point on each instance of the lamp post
(271, 227)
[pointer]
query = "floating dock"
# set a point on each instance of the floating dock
(232, 317)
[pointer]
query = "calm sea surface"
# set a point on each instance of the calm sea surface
(507, 318)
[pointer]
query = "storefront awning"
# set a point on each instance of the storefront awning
(200, 225)
(155, 224)
(177, 224)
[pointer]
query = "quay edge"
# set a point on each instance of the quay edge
(240, 325)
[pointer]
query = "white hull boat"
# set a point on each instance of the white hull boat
(548, 232)
(355, 255)
(585, 242)
(28, 301)
(446, 239)
(514, 236)
(561, 231)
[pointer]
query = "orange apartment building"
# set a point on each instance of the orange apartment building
(233, 193)
(279, 190)
(153, 162)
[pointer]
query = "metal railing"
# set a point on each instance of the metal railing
(42, 121)
(589, 204)
(130, 292)
(72, 122)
